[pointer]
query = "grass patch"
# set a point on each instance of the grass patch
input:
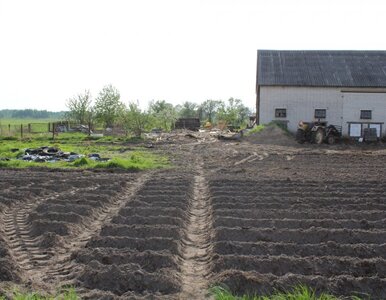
(18, 121)
(254, 130)
(65, 294)
(259, 128)
(300, 292)
(121, 156)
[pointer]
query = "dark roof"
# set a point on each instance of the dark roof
(322, 68)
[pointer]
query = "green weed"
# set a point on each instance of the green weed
(64, 294)
(81, 162)
(254, 130)
(300, 292)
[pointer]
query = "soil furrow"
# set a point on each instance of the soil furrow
(282, 265)
(295, 223)
(196, 245)
(301, 236)
(24, 249)
(369, 215)
(360, 250)
(28, 227)
(62, 267)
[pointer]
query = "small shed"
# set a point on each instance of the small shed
(188, 123)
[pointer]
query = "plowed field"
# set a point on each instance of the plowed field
(254, 217)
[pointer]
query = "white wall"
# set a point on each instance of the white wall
(353, 103)
(300, 103)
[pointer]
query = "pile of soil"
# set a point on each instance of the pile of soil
(273, 135)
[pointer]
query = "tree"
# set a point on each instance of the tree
(208, 109)
(135, 120)
(188, 110)
(164, 114)
(108, 106)
(234, 112)
(78, 107)
(90, 119)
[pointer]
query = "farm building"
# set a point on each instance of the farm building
(343, 88)
(187, 123)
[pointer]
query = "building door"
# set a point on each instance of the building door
(378, 127)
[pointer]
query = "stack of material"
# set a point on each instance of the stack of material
(188, 123)
(53, 154)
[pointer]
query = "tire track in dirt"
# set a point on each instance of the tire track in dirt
(23, 248)
(62, 270)
(196, 249)
(46, 270)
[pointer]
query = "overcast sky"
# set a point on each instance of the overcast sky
(177, 50)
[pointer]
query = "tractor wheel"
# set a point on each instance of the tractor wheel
(331, 139)
(318, 136)
(300, 136)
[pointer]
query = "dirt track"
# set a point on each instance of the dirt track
(255, 217)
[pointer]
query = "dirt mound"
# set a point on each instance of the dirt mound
(127, 277)
(273, 135)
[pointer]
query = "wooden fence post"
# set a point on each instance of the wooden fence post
(21, 130)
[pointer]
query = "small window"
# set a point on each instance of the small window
(366, 114)
(280, 113)
(320, 113)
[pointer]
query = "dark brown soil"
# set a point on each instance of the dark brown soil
(300, 215)
(258, 215)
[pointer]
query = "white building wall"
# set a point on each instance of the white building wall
(341, 107)
(353, 103)
(300, 103)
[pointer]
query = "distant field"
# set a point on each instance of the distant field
(18, 121)
(11, 126)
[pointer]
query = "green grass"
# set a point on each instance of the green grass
(65, 294)
(18, 121)
(121, 156)
(259, 128)
(254, 130)
(300, 292)
(11, 127)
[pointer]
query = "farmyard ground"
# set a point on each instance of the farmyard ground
(257, 217)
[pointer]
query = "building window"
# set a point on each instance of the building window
(366, 114)
(320, 113)
(280, 113)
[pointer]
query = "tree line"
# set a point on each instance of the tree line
(29, 114)
(107, 110)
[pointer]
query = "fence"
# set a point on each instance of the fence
(54, 128)
(23, 130)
